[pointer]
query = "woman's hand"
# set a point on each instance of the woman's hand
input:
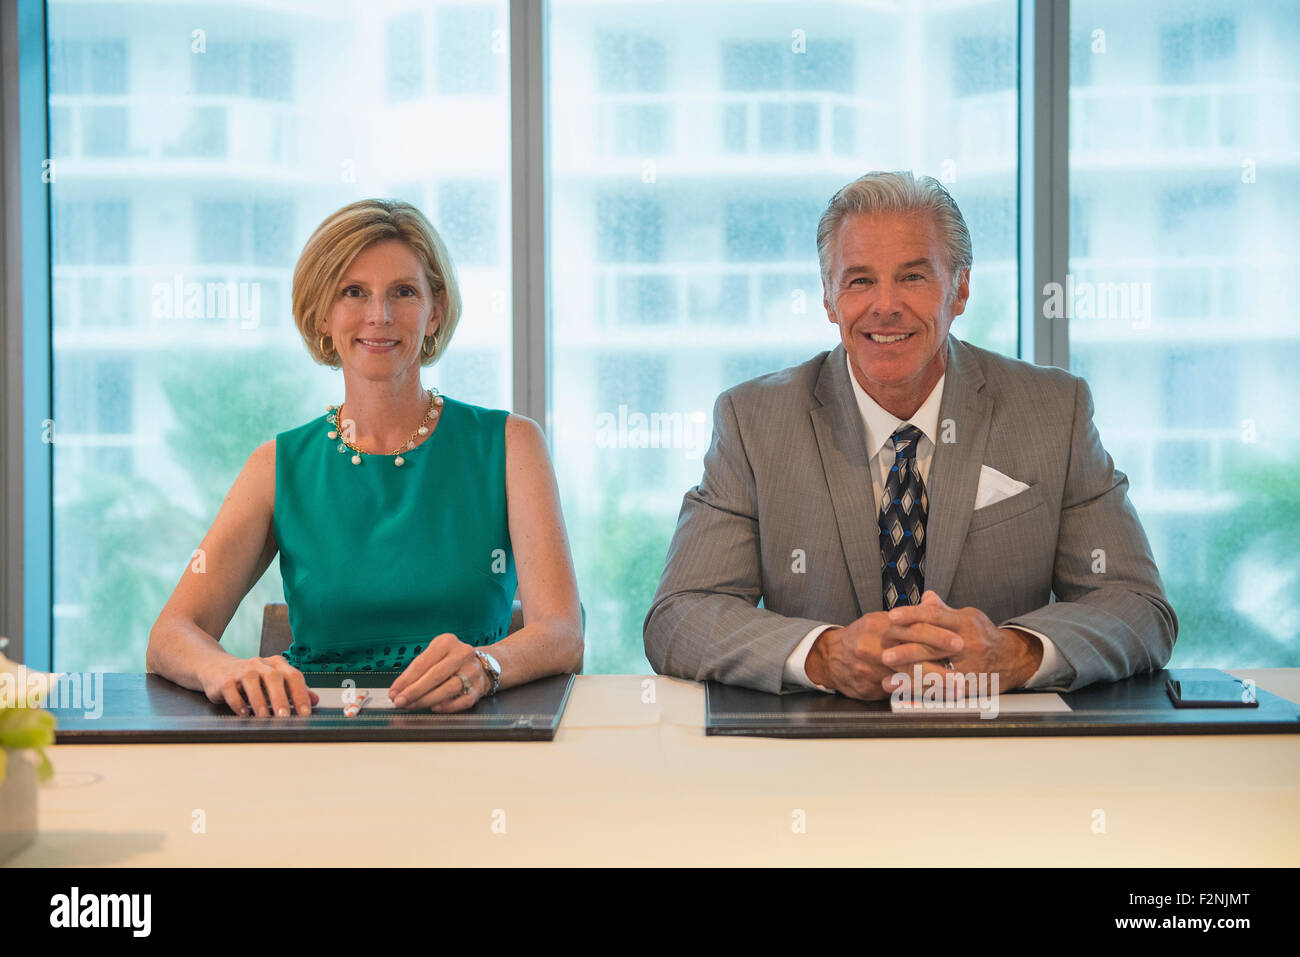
(266, 685)
(432, 682)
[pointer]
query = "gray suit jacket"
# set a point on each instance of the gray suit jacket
(787, 470)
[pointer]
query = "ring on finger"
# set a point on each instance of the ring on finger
(464, 685)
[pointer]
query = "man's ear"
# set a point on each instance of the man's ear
(827, 305)
(961, 292)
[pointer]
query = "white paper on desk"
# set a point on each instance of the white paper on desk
(333, 698)
(994, 487)
(1032, 702)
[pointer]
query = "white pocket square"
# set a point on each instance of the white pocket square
(994, 487)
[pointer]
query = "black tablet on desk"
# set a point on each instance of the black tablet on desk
(144, 709)
(1137, 705)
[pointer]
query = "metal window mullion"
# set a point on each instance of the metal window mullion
(26, 588)
(530, 320)
(1044, 188)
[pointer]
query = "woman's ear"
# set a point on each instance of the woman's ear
(435, 315)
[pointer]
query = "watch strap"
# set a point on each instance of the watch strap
(493, 669)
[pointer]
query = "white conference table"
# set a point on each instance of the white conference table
(631, 779)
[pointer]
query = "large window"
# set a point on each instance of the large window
(679, 155)
(195, 149)
(1184, 254)
(693, 149)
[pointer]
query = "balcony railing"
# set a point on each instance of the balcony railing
(1154, 121)
(233, 129)
(713, 124)
(1218, 298)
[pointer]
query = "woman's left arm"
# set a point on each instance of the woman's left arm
(550, 641)
(448, 676)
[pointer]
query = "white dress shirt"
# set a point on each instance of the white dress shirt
(880, 427)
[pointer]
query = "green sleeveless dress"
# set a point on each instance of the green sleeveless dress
(377, 560)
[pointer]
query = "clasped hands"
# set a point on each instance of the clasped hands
(861, 659)
(431, 682)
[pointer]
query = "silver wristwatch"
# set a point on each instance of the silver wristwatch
(493, 669)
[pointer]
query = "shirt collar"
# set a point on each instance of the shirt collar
(881, 425)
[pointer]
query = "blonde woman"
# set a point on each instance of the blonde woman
(403, 519)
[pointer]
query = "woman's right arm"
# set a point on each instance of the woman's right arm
(185, 643)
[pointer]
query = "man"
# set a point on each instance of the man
(906, 498)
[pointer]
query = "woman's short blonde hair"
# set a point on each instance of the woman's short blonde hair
(338, 240)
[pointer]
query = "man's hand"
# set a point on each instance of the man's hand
(849, 659)
(1013, 654)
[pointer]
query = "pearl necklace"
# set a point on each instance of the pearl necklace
(435, 410)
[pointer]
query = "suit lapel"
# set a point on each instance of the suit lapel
(837, 425)
(964, 416)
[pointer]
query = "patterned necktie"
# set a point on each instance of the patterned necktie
(902, 524)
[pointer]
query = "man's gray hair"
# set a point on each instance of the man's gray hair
(897, 192)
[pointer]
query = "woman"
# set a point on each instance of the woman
(402, 519)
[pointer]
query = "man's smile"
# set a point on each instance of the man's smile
(882, 338)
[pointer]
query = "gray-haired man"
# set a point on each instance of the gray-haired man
(906, 498)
